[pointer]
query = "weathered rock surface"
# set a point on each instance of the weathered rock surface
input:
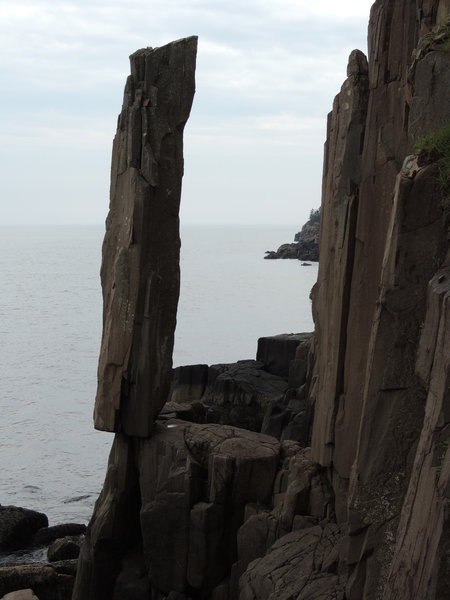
(47, 535)
(45, 580)
(340, 189)
(384, 234)
(176, 500)
(266, 395)
(212, 511)
(237, 394)
(17, 526)
(240, 393)
(140, 265)
(65, 548)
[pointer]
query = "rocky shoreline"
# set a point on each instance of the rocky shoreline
(306, 242)
(252, 401)
(34, 556)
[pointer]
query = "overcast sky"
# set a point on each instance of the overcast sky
(267, 73)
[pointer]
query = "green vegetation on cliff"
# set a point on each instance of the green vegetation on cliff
(436, 147)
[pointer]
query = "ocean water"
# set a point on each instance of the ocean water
(52, 459)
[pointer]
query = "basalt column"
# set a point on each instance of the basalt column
(140, 265)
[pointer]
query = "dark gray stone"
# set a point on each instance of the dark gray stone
(140, 265)
(18, 525)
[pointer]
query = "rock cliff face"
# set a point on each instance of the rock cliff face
(141, 249)
(384, 235)
(306, 242)
(354, 503)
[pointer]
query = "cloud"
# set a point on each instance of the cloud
(266, 76)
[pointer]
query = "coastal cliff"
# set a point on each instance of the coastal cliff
(220, 497)
(306, 241)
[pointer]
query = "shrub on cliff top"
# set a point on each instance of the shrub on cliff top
(436, 147)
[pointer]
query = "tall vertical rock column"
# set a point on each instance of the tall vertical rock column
(140, 280)
(140, 266)
(340, 199)
(369, 395)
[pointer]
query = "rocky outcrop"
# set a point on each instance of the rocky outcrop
(47, 535)
(173, 504)
(277, 352)
(48, 582)
(24, 536)
(66, 548)
(202, 509)
(140, 265)
(381, 243)
(266, 395)
(18, 526)
(170, 514)
(306, 242)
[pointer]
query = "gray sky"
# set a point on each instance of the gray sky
(267, 73)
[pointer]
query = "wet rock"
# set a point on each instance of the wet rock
(64, 548)
(18, 525)
(47, 535)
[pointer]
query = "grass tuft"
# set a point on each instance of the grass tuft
(435, 147)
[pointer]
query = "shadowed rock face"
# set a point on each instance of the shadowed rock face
(383, 237)
(140, 266)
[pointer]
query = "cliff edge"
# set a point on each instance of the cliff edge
(356, 507)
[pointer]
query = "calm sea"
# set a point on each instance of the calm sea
(50, 325)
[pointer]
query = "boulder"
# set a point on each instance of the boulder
(18, 525)
(21, 595)
(65, 548)
(42, 579)
(47, 535)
